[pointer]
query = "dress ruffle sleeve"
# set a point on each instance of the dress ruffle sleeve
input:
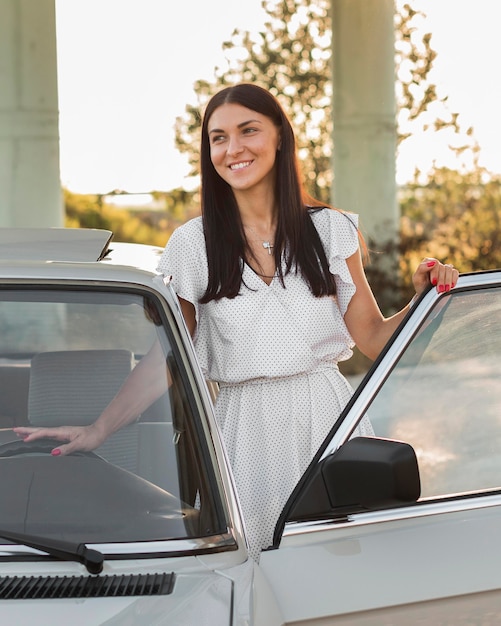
(184, 259)
(339, 234)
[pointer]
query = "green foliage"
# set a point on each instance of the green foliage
(455, 217)
(139, 226)
(180, 204)
(452, 216)
(84, 211)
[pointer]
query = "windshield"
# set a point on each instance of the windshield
(64, 354)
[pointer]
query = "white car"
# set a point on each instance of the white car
(400, 528)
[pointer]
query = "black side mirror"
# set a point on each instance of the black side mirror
(366, 473)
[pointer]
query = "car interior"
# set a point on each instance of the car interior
(65, 357)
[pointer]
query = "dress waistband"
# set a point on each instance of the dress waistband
(273, 379)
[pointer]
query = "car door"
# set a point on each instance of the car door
(400, 552)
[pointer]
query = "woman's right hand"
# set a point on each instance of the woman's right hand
(84, 438)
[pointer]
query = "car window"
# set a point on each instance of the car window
(444, 395)
(64, 354)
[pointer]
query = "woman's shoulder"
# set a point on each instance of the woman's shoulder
(186, 242)
(338, 231)
(327, 219)
(190, 234)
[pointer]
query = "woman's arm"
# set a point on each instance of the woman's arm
(367, 325)
(188, 311)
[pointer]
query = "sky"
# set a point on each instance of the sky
(126, 70)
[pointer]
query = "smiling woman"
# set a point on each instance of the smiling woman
(272, 287)
(269, 322)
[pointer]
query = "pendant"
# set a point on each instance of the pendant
(268, 246)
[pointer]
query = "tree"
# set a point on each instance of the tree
(454, 216)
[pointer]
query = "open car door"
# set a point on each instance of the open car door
(402, 528)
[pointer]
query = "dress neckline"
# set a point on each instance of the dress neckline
(260, 277)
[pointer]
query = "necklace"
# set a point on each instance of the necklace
(267, 245)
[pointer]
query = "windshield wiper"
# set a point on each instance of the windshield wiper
(64, 550)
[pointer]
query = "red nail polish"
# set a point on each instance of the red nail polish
(56, 452)
(430, 263)
(453, 285)
(447, 287)
(441, 289)
(433, 281)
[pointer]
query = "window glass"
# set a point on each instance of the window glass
(444, 395)
(64, 355)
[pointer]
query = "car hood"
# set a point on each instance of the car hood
(196, 598)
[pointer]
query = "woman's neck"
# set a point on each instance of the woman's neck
(258, 215)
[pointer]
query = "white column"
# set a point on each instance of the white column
(364, 114)
(30, 188)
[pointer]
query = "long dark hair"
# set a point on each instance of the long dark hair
(295, 235)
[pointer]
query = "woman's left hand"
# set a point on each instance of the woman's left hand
(431, 272)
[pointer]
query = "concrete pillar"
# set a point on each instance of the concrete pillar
(364, 114)
(30, 188)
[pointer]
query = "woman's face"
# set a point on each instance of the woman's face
(243, 147)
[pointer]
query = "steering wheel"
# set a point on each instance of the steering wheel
(39, 446)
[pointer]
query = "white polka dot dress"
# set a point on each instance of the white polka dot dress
(274, 351)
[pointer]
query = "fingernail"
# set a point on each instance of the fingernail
(447, 287)
(453, 285)
(441, 289)
(430, 263)
(433, 281)
(56, 452)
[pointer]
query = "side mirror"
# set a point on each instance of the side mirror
(366, 473)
